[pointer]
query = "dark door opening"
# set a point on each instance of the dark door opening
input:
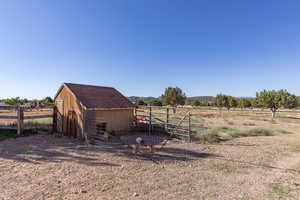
(72, 124)
(101, 128)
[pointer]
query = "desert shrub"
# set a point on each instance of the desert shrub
(295, 148)
(141, 103)
(196, 103)
(249, 124)
(223, 133)
(209, 136)
(284, 131)
(215, 135)
(155, 103)
(258, 132)
(223, 128)
(278, 190)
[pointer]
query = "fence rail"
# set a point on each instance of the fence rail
(8, 117)
(18, 123)
(38, 116)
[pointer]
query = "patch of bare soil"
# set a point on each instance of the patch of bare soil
(46, 167)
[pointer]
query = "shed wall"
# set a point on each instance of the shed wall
(69, 104)
(118, 121)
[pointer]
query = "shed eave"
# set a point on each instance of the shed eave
(103, 109)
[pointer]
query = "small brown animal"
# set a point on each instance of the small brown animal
(151, 149)
(136, 149)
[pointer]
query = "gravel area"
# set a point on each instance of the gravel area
(47, 167)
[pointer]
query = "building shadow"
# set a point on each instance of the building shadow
(41, 149)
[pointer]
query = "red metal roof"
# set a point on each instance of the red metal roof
(98, 97)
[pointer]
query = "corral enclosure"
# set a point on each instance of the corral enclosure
(186, 122)
(191, 122)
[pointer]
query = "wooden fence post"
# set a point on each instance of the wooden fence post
(167, 121)
(54, 120)
(150, 120)
(190, 127)
(20, 122)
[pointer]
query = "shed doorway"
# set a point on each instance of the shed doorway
(72, 124)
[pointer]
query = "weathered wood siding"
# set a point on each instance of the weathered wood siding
(118, 121)
(69, 104)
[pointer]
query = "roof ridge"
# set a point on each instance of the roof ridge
(89, 85)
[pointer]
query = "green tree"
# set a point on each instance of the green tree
(195, 103)
(243, 103)
(254, 103)
(276, 99)
(173, 97)
(48, 101)
(15, 101)
(156, 103)
(221, 101)
(141, 103)
(224, 101)
(232, 102)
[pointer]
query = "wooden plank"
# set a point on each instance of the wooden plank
(38, 116)
(9, 127)
(142, 116)
(8, 107)
(8, 117)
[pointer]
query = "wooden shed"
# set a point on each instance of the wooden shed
(86, 111)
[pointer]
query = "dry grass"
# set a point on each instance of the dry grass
(295, 147)
(278, 191)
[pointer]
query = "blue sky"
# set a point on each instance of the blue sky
(143, 46)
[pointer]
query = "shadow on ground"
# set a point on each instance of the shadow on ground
(45, 148)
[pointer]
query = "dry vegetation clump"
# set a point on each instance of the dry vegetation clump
(295, 148)
(223, 133)
(249, 124)
(278, 191)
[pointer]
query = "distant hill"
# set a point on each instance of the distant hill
(147, 99)
(136, 98)
(200, 98)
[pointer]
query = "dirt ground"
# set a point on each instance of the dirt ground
(49, 167)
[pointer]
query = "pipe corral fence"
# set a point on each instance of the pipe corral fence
(186, 122)
(169, 120)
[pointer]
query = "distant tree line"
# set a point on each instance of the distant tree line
(270, 99)
(48, 101)
(273, 100)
